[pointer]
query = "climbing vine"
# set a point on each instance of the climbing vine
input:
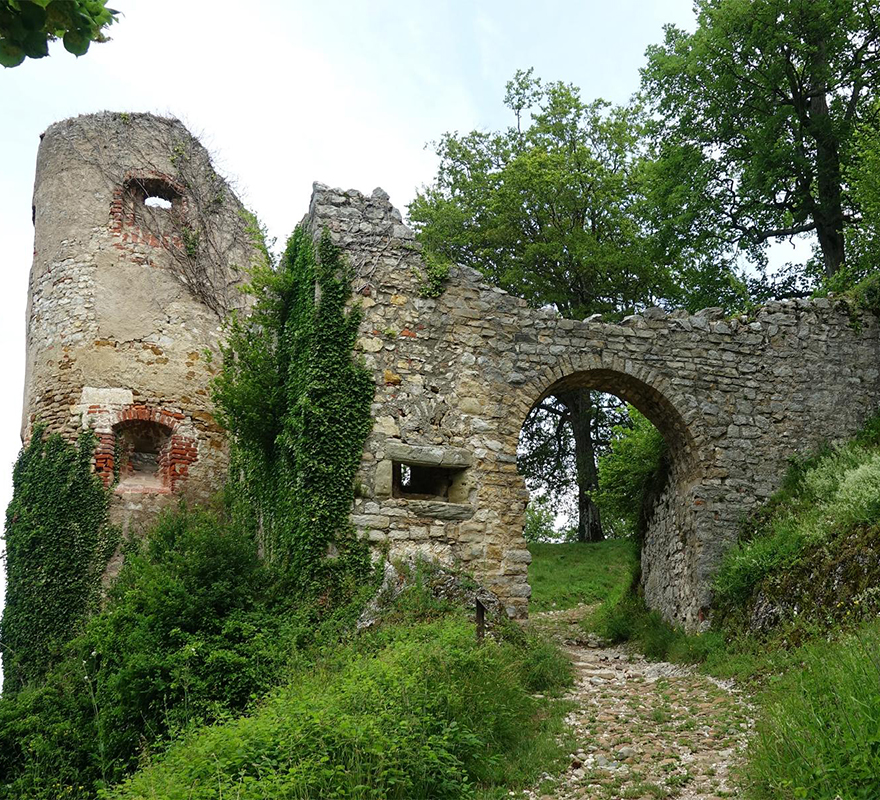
(432, 282)
(58, 542)
(297, 407)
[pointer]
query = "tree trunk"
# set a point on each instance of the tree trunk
(828, 213)
(580, 407)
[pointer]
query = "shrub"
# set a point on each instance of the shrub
(193, 629)
(429, 714)
(631, 475)
(539, 519)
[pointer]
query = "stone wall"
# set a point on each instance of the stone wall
(457, 375)
(122, 335)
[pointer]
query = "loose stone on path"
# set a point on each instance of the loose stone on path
(644, 729)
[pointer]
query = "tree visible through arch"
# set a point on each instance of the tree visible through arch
(548, 438)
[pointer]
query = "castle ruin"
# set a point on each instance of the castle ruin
(139, 250)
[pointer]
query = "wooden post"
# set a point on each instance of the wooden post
(481, 620)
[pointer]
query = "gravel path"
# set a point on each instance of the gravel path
(643, 730)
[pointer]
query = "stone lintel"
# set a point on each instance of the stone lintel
(429, 455)
(93, 396)
(440, 510)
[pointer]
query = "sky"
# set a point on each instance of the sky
(287, 92)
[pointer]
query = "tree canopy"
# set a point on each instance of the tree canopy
(27, 27)
(553, 209)
(753, 117)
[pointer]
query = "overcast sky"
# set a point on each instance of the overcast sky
(287, 92)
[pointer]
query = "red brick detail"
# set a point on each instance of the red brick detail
(175, 457)
(123, 210)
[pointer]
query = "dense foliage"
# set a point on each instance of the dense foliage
(193, 629)
(58, 542)
(754, 114)
(27, 27)
(418, 711)
(632, 472)
(297, 408)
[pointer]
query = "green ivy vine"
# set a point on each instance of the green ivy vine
(297, 408)
(432, 282)
(58, 543)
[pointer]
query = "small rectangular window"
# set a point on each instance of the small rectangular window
(425, 483)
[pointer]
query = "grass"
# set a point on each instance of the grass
(564, 575)
(818, 736)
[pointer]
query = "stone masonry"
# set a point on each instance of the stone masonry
(457, 375)
(117, 340)
(122, 339)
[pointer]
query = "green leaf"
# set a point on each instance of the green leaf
(33, 16)
(10, 55)
(76, 43)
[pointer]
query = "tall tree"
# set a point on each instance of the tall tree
(753, 116)
(551, 209)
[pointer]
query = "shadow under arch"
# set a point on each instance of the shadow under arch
(650, 400)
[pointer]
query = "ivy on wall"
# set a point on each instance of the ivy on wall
(297, 408)
(58, 542)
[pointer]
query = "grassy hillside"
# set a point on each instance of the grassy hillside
(563, 575)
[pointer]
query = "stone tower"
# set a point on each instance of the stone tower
(139, 247)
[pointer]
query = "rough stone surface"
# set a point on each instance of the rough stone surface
(643, 729)
(734, 398)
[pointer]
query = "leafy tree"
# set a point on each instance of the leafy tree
(551, 209)
(863, 240)
(753, 117)
(631, 469)
(27, 27)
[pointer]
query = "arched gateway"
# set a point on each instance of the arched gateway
(457, 375)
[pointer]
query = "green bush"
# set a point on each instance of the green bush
(819, 732)
(538, 525)
(194, 628)
(427, 713)
(631, 475)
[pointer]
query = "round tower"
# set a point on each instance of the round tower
(139, 251)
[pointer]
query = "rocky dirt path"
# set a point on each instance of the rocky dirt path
(643, 730)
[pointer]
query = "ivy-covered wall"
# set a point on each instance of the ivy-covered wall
(297, 407)
(58, 543)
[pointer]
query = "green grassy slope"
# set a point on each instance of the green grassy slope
(563, 575)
